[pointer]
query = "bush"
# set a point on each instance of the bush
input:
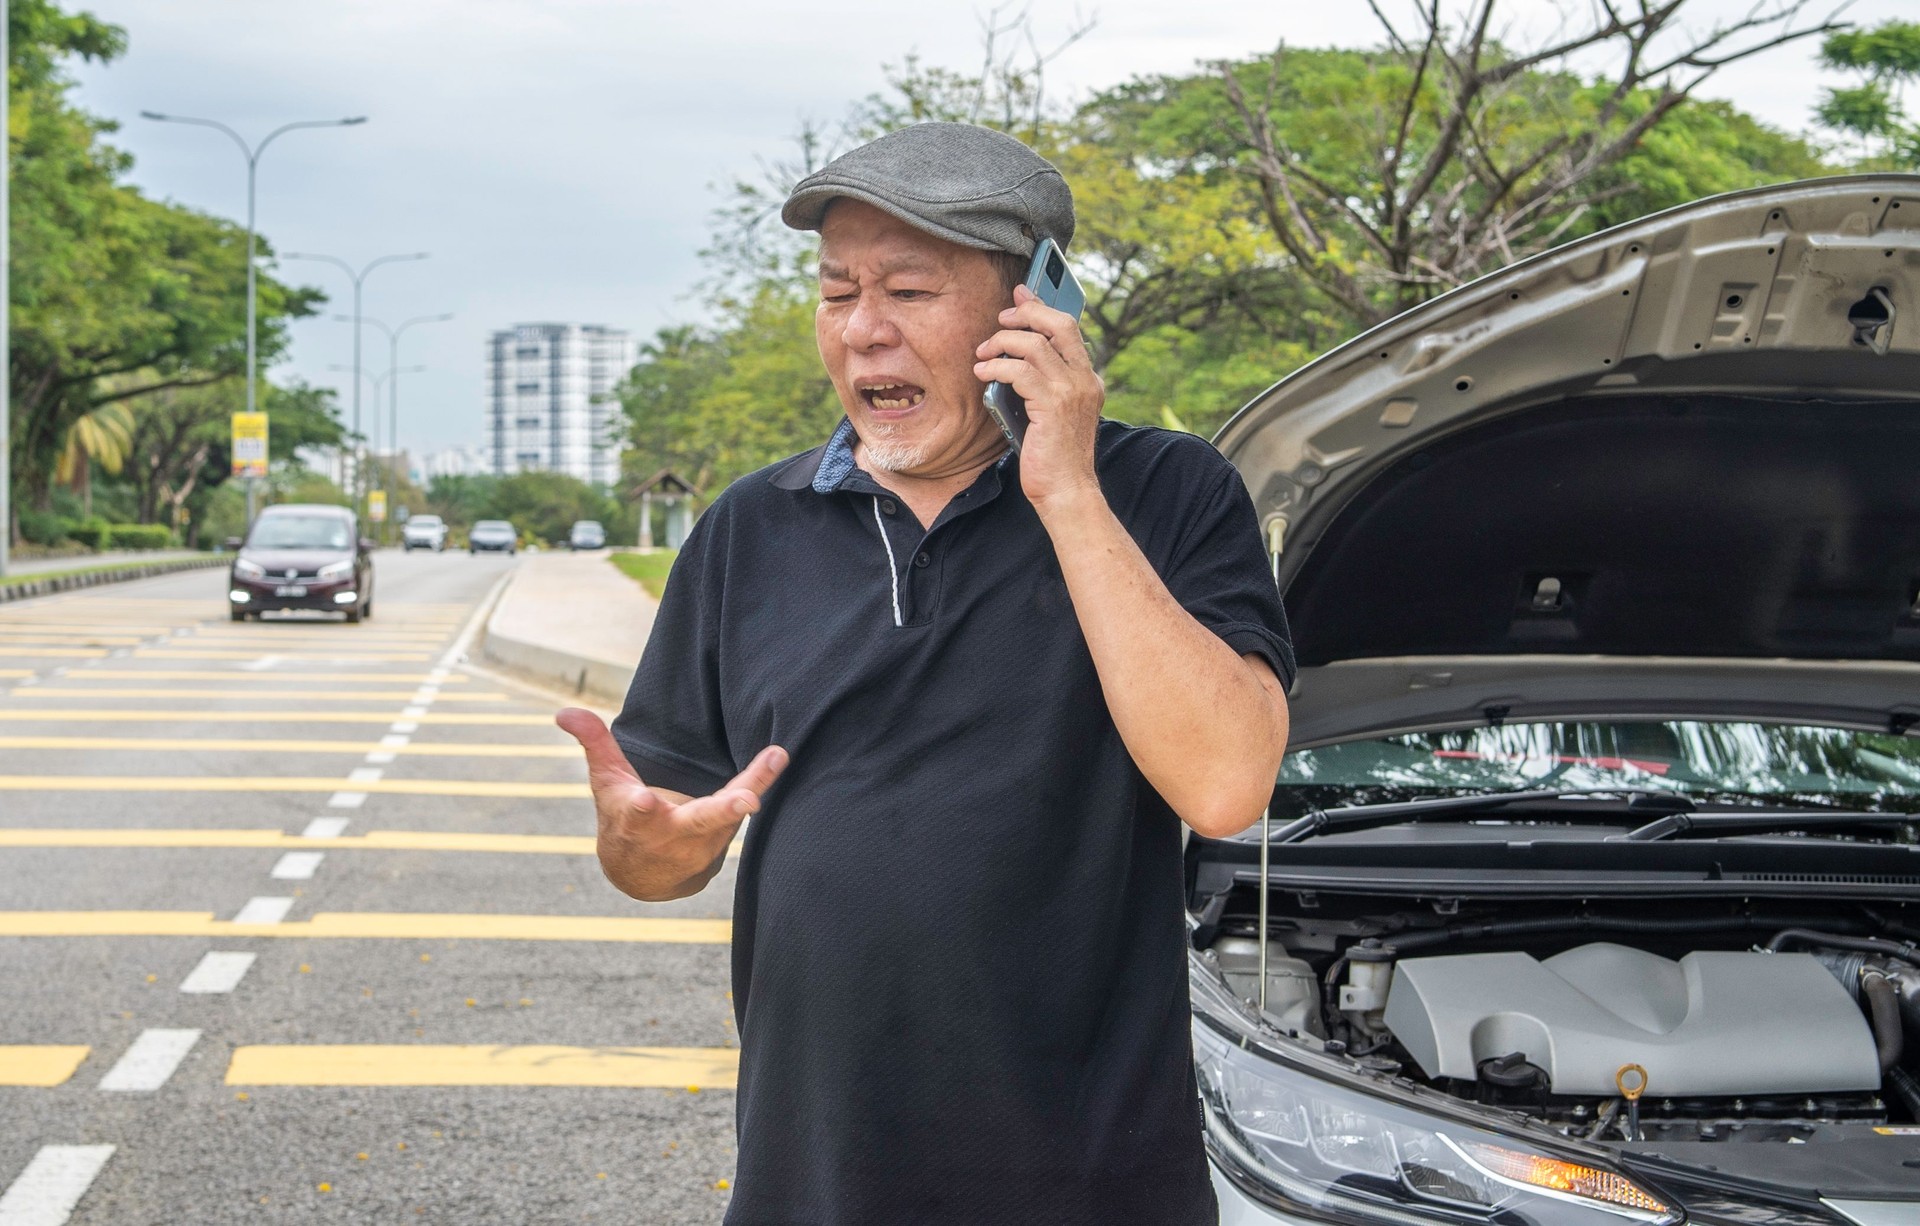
(94, 533)
(44, 527)
(142, 536)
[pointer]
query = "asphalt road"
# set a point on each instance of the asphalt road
(301, 919)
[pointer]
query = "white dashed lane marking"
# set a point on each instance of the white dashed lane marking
(264, 910)
(347, 800)
(297, 865)
(406, 725)
(218, 972)
(53, 1183)
(364, 774)
(150, 1061)
(325, 828)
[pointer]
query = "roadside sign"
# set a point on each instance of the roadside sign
(249, 448)
(377, 506)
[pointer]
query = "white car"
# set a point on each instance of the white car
(1590, 892)
(424, 532)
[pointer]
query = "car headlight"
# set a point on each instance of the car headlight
(1315, 1145)
(334, 570)
(252, 570)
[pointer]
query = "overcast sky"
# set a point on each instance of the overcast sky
(558, 157)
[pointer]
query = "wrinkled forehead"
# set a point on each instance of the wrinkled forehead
(857, 239)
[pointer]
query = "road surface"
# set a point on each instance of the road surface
(299, 922)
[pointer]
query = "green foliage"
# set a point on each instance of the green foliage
(543, 506)
(461, 500)
(112, 294)
(93, 533)
(1886, 59)
(43, 527)
(141, 536)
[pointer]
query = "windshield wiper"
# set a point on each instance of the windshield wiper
(1718, 825)
(1368, 817)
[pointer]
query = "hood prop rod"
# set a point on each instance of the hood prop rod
(1276, 534)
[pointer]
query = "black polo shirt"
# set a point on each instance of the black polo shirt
(958, 953)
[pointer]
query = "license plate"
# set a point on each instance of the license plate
(291, 589)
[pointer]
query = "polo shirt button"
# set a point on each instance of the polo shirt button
(888, 506)
(922, 558)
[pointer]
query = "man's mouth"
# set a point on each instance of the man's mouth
(893, 396)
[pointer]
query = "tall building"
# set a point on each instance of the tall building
(549, 399)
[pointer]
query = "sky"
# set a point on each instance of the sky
(559, 159)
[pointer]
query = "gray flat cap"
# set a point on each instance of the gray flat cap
(969, 185)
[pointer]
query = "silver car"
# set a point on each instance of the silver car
(424, 532)
(1590, 892)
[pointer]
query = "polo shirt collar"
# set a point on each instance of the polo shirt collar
(827, 468)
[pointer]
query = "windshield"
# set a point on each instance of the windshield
(301, 532)
(492, 525)
(424, 521)
(1776, 761)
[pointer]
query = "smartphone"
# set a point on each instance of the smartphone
(1052, 282)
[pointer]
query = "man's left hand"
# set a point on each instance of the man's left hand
(1040, 352)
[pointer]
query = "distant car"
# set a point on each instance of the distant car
(300, 556)
(587, 534)
(424, 532)
(495, 534)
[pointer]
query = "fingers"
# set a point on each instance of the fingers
(605, 763)
(760, 773)
(1062, 329)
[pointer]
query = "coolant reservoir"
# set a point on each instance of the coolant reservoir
(1293, 992)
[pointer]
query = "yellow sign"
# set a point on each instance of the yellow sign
(377, 506)
(249, 444)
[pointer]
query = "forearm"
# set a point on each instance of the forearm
(1206, 726)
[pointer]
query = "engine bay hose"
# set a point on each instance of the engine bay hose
(1883, 1010)
(1906, 951)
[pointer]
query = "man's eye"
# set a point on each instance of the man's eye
(911, 294)
(838, 297)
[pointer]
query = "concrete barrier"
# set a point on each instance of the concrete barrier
(48, 585)
(582, 675)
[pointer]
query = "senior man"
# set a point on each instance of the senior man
(971, 695)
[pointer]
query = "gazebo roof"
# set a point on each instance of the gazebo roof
(666, 481)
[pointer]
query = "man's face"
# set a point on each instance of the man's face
(900, 315)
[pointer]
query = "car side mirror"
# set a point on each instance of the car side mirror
(367, 544)
(232, 544)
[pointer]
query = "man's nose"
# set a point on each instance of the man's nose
(869, 326)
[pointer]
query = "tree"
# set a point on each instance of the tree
(112, 295)
(1873, 111)
(181, 438)
(1393, 175)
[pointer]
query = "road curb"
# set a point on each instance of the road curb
(26, 589)
(551, 666)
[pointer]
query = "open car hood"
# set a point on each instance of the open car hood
(1668, 471)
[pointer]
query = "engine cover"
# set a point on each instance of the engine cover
(1710, 1024)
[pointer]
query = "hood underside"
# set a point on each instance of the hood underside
(1685, 448)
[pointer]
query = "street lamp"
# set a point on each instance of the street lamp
(377, 381)
(393, 364)
(357, 278)
(252, 154)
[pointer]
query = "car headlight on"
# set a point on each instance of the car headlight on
(252, 570)
(1315, 1145)
(334, 570)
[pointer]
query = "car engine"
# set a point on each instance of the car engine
(1706, 1025)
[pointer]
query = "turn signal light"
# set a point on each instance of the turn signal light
(1557, 1175)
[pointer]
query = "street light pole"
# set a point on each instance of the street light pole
(252, 154)
(357, 278)
(391, 384)
(393, 365)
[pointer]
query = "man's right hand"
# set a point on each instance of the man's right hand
(655, 844)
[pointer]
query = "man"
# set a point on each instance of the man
(971, 696)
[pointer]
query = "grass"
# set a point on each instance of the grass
(649, 570)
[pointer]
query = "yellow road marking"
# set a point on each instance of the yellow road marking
(54, 638)
(47, 715)
(275, 840)
(347, 652)
(40, 1064)
(60, 691)
(173, 744)
(281, 783)
(372, 925)
(710, 1068)
(16, 672)
(51, 653)
(279, 676)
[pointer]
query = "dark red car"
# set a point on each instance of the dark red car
(301, 556)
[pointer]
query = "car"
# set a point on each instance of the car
(302, 556)
(1590, 889)
(424, 532)
(496, 535)
(587, 534)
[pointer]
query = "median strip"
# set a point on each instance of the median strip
(372, 925)
(706, 1068)
(271, 783)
